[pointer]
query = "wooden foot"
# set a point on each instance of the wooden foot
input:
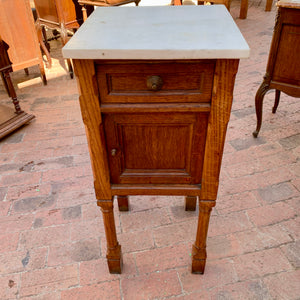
(123, 203)
(190, 203)
(114, 260)
(114, 254)
(199, 247)
(198, 260)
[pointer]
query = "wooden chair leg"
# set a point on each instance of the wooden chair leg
(84, 13)
(269, 5)
(8, 83)
(199, 247)
(244, 9)
(190, 203)
(45, 38)
(113, 254)
(43, 45)
(123, 203)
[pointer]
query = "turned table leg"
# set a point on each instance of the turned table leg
(190, 203)
(113, 254)
(199, 247)
(123, 203)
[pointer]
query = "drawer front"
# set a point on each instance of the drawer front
(155, 82)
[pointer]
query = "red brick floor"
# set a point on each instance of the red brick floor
(52, 242)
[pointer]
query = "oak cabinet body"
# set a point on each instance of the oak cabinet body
(155, 119)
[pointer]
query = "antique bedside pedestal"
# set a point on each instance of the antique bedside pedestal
(156, 87)
(283, 69)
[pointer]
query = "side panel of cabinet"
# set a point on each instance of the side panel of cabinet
(287, 65)
(156, 148)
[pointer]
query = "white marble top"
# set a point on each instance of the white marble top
(158, 32)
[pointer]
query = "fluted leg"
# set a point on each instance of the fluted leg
(199, 247)
(113, 254)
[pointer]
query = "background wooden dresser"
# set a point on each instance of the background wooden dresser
(11, 118)
(283, 69)
(155, 95)
(18, 30)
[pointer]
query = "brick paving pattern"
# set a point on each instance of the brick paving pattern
(52, 241)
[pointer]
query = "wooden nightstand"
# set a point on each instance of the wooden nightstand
(283, 69)
(156, 87)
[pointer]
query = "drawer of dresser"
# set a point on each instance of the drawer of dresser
(155, 82)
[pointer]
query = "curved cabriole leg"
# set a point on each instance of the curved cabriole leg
(277, 98)
(264, 87)
(113, 254)
(190, 203)
(123, 203)
(199, 247)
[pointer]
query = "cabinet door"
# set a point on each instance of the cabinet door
(164, 148)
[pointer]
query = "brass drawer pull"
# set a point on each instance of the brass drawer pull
(113, 152)
(154, 83)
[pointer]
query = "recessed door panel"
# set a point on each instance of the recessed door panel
(155, 148)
